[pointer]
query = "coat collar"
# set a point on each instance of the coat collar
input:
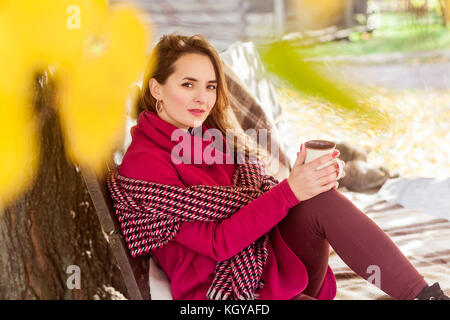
(197, 147)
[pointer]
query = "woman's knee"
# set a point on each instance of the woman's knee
(324, 196)
(320, 204)
(328, 203)
(315, 212)
(322, 209)
(302, 219)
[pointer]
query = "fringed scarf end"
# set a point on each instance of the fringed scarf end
(217, 294)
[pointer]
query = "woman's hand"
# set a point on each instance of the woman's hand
(306, 182)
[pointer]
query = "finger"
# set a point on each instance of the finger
(300, 156)
(340, 165)
(297, 161)
(327, 186)
(328, 178)
(320, 161)
(336, 185)
(326, 171)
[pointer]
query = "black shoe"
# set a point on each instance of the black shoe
(432, 293)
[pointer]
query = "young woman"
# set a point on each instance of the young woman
(303, 214)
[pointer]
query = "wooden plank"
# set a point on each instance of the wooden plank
(134, 270)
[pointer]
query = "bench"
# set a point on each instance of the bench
(135, 271)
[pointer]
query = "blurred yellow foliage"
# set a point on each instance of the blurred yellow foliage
(93, 99)
(412, 145)
(18, 145)
(317, 14)
(97, 53)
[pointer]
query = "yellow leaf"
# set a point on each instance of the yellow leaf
(94, 94)
(18, 136)
(54, 30)
(18, 145)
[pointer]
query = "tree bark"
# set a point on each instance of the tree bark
(53, 226)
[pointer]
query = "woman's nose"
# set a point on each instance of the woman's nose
(201, 96)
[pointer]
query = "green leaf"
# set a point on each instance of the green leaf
(285, 61)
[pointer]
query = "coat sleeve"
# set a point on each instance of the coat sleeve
(222, 240)
(219, 240)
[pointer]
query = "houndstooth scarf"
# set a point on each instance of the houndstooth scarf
(151, 214)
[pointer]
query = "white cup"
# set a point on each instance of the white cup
(317, 148)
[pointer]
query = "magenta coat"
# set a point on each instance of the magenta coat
(190, 259)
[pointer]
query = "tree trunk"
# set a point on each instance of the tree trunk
(53, 226)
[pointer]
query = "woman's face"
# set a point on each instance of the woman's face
(189, 93)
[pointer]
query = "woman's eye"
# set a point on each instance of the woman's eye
(212, 87)
(187, 84)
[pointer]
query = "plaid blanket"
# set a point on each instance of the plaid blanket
(422, 238)
(248, 114)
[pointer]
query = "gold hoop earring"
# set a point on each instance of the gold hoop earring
(158, 110)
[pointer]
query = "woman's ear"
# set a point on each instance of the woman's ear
(155, 88)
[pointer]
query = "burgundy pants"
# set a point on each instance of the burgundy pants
(331, 219)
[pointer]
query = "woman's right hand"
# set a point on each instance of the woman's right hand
(306, 182)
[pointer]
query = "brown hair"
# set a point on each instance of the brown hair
(161, 65)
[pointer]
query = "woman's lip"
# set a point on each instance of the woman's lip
(196, 112)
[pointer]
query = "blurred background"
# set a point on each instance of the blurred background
(387, 55)
(225, 22)
(395, 51)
